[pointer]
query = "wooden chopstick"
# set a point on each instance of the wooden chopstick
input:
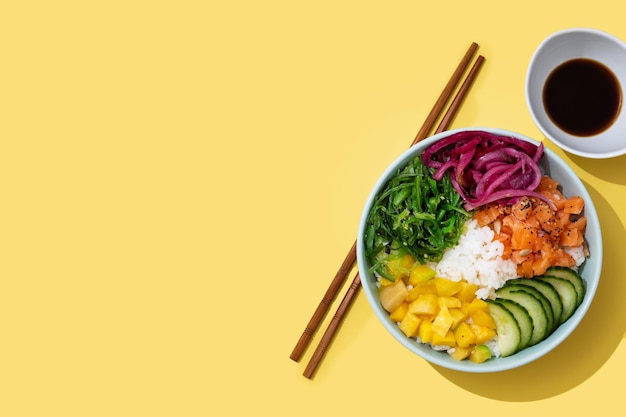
(351, 257)
(320, 351)
(348, 263)
(446, 121)
(331, 330)
(325, 304)
(445, 95)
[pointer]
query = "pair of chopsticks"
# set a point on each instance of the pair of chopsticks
(348, 263)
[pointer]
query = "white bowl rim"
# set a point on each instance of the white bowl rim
(497, 364)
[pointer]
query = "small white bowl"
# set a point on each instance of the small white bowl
(552, 165)
(563, 46)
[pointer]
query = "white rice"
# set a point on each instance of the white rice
(578, 253)
(478, 260)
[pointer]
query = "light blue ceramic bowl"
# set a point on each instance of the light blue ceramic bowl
(572, 185)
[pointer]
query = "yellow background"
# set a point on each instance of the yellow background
(179, 182)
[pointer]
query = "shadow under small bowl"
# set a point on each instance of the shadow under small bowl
(567, 45)
(552, 165)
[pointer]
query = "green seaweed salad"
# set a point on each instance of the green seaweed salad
(413, 214)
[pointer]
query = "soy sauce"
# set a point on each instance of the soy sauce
(582, 96)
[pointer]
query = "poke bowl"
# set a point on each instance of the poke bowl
(479, 249)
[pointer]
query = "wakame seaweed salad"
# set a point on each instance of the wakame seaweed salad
(413, 214)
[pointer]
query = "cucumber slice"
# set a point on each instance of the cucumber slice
(566, 291)
(533, 306)
(549, 292)
(572, 276)
(506, 327)
(523, 319)
(547, 307)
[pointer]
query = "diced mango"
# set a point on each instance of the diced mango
(384, 282)
(460, 353)
(420, 273)
(426, 304)
(446, 287)
(475, 304)
(450, 302)
(442, 322)
(457, 315)
(410, 324)
(425, 331)
(483, 334)
(413, 294)
(465, 307)
(483, 318)
(467, 292)
(464, 335)
(445, 340)
(426, 287)
(438, 311)
(399, 265)
(480, 354)
(392, 296)
(398, 314)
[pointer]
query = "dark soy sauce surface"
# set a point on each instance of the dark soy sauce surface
(582, 97)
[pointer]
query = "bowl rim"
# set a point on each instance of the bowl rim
(527, 355)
